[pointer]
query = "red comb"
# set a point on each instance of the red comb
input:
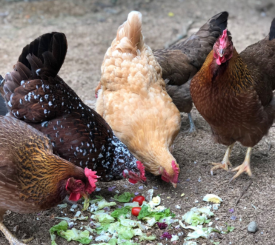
(176, 172)
(223, 39)
(92, 177)
(141, 168)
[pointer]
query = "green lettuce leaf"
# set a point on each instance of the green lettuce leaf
(125, 232)
(103, 227)
(62, 226)
(103, 203)
(121, 211)
(103, 218)
(98, 198)
(145, 212)
(86, 204)
(125, 197)
(76, 235)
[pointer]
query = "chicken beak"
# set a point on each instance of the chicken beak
(85, 196)
(221, 52)
(174, 185)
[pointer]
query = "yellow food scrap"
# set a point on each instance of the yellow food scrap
(212, 198)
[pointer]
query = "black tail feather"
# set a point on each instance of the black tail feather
(272, 30)
(220, 20)
(51, 49)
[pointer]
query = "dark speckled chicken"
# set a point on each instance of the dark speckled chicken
(34, 93)
(182, 61)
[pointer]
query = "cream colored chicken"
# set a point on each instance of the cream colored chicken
(133, 100)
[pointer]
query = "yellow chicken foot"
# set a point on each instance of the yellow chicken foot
(225, 161)
(245, 167)
(9, 236)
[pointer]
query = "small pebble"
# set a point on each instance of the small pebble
(71, 225)
(77, 213)
(111, 188)
(74, 206)
(216, 206)
(140, 187)
(252, 227)
(233, 217)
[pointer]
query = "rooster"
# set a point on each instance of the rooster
(32, 178)
(37, 95)
(182, 61)
(133, 100)
(233, 92)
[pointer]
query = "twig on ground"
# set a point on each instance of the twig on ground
(243, 191)
(180, 36)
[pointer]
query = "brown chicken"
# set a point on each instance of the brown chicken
(37, 95)
(32, 178)
(233, 92)
(182, 61)
(133, 100)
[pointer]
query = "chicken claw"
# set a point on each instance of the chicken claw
(225, 161)
(245, 167)
(12, 240)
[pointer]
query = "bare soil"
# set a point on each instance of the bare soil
(90, 27)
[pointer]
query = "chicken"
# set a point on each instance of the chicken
(133, 100)
(182, 61)
(32, 178)
(3, 107)
(37, 95)
(233, 92)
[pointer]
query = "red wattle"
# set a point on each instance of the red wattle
(165, 179)
(74, 197)
(132, 181)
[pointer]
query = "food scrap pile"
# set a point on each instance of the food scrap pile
(129, 219)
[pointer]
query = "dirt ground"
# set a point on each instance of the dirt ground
(90, 27)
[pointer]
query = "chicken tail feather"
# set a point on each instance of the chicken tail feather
(47, 52)
(30, 83)
(129, 36)
(220, 20)
(272, 30)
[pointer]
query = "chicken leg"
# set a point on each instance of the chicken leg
(225, 161)
(9, 236)
(245, 167)
(192, 124)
